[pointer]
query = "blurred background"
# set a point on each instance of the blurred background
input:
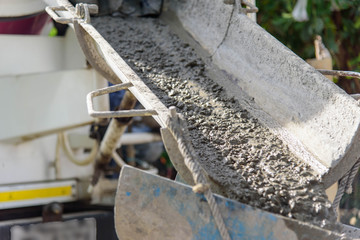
(336, 21)
(325, 33)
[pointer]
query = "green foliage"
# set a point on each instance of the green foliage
(337, 21)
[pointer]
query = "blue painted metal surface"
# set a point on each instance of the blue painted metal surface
(151, 207)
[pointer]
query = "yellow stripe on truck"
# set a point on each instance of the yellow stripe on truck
(30, 194)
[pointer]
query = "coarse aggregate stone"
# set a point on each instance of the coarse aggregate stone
(249, 162)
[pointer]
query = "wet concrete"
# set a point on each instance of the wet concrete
(251, 164)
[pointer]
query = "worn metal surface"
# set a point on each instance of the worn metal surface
(351, 231)
(303, 105)
(151, 207)
(89, 47)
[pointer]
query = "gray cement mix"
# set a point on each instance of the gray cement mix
(250, 163)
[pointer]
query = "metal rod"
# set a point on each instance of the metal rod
(110, 89)
(114, 114)
(339, 73)
(111, 138)
(123, 113)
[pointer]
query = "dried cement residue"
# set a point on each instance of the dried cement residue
(251, 164)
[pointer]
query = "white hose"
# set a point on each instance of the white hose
(57, 158)
(64, 142)
(119, 161)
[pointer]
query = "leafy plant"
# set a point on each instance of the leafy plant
(336, 21)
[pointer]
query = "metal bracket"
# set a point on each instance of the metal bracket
(114, 114)
(53, 212)
(82, 13)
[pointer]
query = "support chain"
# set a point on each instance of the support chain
(177, 127)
